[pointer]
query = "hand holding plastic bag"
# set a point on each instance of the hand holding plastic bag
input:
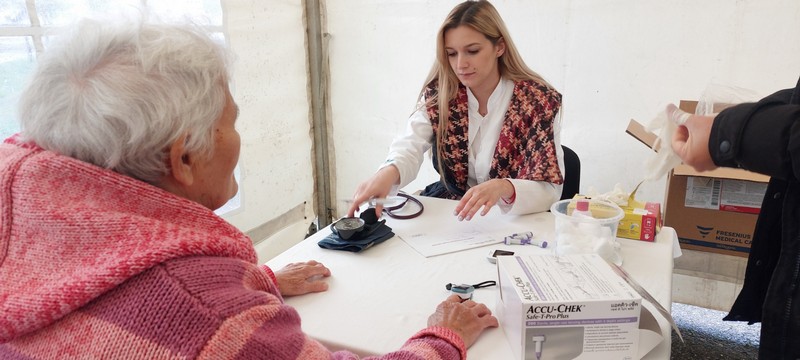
(684, 137)
(690, 139)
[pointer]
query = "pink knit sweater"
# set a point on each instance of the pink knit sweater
(94, 264)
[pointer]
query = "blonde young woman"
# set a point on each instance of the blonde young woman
(491, 122)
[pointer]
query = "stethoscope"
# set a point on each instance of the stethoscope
(389, 209)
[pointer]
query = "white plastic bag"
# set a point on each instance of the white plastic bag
(715, 98)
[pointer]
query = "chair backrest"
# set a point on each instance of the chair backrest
(572, 174)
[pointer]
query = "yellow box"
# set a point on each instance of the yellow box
(642, 221)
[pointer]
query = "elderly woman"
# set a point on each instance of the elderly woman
(109, 247)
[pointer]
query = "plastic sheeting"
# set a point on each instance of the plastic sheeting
(270, 85)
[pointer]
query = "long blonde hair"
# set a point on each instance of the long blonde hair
(482, 17)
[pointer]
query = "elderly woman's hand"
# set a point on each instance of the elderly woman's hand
(467, 318)
(302, 278)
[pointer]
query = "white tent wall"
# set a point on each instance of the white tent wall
(270, 85)
(613, 60)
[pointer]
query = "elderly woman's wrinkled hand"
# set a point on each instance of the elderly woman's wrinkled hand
(468, 319)
(302, 278)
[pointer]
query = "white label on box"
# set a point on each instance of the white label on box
(724, 194)
(742, 196)
(571, 278)
(702, 192)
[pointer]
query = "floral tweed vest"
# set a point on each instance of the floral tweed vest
(526, 148)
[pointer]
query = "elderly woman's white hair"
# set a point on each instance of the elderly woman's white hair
(118, 95)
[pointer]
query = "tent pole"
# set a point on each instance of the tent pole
(318, 91)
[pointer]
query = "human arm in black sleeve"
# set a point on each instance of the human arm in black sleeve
(763, 137)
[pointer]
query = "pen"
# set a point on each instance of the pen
(525, 238)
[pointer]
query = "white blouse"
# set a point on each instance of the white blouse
(406, 152)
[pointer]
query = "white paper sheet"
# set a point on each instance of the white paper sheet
(432, 243)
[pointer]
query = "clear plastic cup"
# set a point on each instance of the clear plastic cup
(592, 231)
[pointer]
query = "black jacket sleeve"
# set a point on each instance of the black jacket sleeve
(763, 137)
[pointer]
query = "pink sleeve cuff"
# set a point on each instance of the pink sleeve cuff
(445, 334)
(271, 275)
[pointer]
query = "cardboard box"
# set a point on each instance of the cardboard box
(709, 229)
(567, 307)
(713, 211)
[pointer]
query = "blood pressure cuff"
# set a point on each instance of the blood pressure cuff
(371, 235)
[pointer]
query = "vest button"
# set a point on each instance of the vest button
(776, 196)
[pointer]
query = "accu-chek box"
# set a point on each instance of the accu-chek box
(567, 307)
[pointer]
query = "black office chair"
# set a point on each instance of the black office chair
(572, 174)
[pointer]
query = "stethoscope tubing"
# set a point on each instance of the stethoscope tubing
(389, 210)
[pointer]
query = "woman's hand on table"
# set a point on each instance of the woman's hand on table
(468, 319)
(485, 195)
(302, 278)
